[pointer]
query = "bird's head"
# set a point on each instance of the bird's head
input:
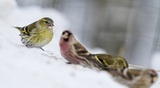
(154, 75)
(67, 36)
(151, 75)
(66, 40)
(46, 23)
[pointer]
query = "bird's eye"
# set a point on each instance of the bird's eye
(70, 34)
(63, 33)
(46, 22)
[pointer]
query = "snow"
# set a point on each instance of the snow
(7, 6)
(21, 67)
(155, 61)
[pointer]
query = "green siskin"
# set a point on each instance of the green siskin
(110, 61)
(37, 34)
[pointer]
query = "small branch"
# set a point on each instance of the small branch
(140, 67)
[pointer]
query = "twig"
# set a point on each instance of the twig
(137, 66)
(140, 67)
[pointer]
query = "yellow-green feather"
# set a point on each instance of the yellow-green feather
(110, 61)
(41, 34)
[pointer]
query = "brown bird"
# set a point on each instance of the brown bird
(72, 50)
(134, 78)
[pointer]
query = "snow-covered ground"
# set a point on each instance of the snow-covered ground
(21, 67)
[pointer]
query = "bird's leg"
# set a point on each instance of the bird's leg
(68, 63)
(42, 49)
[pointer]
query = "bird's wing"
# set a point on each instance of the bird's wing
(104, 59)
(27, 29)
(80, 50)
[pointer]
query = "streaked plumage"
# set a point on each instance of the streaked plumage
(72, 50)
(111, 61)
(134, 78)
(37, 34)
(75, 53)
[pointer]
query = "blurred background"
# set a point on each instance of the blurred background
(129, 28)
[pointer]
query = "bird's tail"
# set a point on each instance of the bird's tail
(19, 28)
(22, 30)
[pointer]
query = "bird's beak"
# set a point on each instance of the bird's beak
(65, 36)
(154, 76)
(51, 24)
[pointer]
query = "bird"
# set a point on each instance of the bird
(111, 61)
(72, 50)
(38, 33)
(75, 53)
(134, 78)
